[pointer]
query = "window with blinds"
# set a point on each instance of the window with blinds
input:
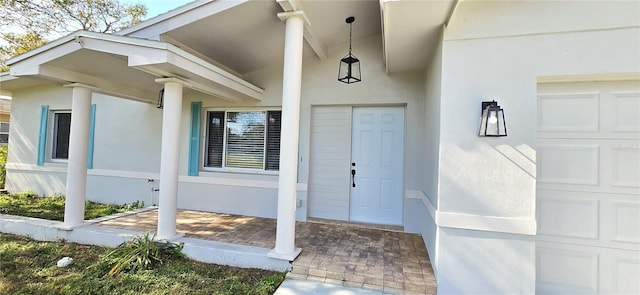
(61, 131)
(4, 132)
(272, 157)
(248, 140)
(215, 139)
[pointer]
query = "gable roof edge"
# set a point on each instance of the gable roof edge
(167, 21)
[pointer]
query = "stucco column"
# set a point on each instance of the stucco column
(288, 179)
(78, 150)
(169, 158)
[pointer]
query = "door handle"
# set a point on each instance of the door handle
(353, 175)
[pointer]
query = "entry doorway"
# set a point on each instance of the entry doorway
(357, 163)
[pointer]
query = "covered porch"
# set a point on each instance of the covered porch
(351, 254)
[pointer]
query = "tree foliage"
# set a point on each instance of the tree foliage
(28, 24)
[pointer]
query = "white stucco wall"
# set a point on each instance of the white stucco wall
(127, 137)
(420, 210)
(320, 87)
(498, 50)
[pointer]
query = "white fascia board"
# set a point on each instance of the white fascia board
(216, 92)
(140, 52)
(179, 17)
(76, 39)
(147, 52)
(206, 73)
(200, 62)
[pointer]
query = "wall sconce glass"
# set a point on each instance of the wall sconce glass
(492, 123)
(160, 104)
(349, 71)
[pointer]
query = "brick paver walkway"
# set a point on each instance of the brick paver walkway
(341, 253)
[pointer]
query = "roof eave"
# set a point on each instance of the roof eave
(158, 59)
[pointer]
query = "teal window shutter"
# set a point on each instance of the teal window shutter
(42, 139)
(194, 138)
(92, 125)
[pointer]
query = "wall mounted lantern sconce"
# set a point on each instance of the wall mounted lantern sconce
(492, 123)
(349, 71)
(161, 99)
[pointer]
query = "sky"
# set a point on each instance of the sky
(156, 7)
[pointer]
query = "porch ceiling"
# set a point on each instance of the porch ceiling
(250, 36)
(246, 35)
(412, 31)
(127, 67)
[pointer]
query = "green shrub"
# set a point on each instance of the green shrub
(3, 163)
(142, 252)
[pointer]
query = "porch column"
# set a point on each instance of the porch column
(78, 152)
(292, 79)
(169, 157)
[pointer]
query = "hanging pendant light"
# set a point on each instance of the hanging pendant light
(160, 104)
(349, 71)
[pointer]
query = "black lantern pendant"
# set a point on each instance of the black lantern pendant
(492, 123)
(160, 104)
(349, 71)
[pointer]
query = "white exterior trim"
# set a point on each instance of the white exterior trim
(162, 53)
(513, 225)
(195, 10)
(148, 175)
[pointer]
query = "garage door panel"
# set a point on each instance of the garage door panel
(588, 188)
(569, 164)
(588, 218)
(591, 165)
(627, 112)
(563, 268)
(567, 214)
(607, 113)
(626, 165)
(559, 267)
(626, 271)
(552, 115)
(625, 222)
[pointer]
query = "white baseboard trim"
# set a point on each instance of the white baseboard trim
(511, 225)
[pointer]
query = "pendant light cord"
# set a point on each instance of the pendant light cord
(350, 29)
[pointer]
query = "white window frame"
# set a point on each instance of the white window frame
(52, 135)
(205, 141)
(7, 133)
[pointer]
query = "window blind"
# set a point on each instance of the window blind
(245, 139)
(273, 140)
(215, 139)
(62, 129)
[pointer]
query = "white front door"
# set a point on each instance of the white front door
(377, 143)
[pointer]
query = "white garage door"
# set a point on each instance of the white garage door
(588, 188)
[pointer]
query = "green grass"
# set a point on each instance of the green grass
(52, 208)
(29, 267)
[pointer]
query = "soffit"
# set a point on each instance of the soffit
(246, 35)
(127, 67)
(412, 31)
(250, 36)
